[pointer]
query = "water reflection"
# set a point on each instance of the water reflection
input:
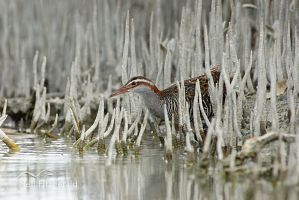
(51, 170)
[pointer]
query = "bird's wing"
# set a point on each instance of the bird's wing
(190, 84)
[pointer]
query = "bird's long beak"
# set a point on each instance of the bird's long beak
(120, 91)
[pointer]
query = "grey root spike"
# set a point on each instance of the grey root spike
(154, 98)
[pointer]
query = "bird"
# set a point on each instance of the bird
(155, 99)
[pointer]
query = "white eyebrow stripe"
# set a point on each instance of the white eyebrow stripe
(143, 80)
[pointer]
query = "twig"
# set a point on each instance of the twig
(9, 142)
(252, 146)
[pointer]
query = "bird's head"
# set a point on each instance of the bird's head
(137, 84)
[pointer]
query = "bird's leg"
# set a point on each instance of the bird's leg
(195, 142)
(175, 135)
(156, 132)
(181, 136)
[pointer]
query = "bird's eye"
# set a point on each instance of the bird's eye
(133, 83)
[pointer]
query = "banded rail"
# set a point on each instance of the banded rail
(155, 99)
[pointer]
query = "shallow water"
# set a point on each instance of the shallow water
(52, 170)
(47, 170)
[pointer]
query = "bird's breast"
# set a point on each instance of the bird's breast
(154, 104)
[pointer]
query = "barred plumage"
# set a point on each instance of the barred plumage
(172, 105)
(171, 95)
